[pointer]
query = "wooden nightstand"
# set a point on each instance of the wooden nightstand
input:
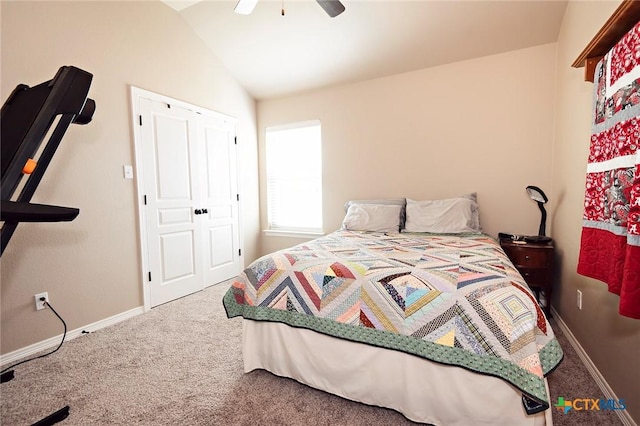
(535, 264)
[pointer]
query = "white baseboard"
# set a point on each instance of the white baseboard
(624, 415)
(52, 342)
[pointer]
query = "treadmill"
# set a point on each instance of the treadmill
(28, 117)
(26, 120)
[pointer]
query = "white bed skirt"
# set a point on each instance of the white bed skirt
(423, 391)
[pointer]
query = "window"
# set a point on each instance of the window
(294, 177)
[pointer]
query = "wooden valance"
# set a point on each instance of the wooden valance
(623, 19)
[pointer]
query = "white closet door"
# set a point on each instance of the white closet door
(172, 191)
(220, 197)
(187, 177)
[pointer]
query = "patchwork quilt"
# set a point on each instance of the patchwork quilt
(610, 240)
(452, 299)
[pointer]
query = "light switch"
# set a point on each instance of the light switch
(128, 172)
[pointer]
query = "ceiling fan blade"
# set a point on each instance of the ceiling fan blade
(245, 7)
(332, 7)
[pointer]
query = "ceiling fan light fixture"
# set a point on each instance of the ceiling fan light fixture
(245, 7)
(333, 8)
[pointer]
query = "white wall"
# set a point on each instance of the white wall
(90, 267)
(483, 125)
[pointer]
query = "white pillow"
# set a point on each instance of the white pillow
(474, 210)
(372, 217)
(453, 215)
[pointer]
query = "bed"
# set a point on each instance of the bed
(439, 326)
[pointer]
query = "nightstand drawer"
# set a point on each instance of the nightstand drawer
(536, 277)
(535, 263)
(530, 258)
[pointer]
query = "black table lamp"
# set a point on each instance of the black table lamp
(539, 197)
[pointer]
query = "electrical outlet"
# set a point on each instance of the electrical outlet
(579, 300)
(40, 303)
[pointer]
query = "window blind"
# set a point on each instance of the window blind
(294, 177)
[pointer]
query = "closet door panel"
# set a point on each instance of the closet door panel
(172, 194)
(221, 200)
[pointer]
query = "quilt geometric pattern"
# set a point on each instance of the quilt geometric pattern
(452, 299)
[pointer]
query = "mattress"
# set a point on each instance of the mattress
(423, 391)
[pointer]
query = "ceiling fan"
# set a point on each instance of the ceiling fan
(332, 7)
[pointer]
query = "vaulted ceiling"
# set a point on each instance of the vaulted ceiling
(272, 55)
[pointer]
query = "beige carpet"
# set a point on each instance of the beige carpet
(181, 364)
